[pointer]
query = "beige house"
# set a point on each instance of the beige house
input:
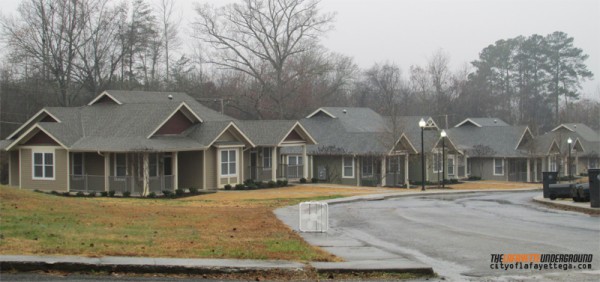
(146, 142)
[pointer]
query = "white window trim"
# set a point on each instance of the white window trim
(228, 162)
(344, 167)
(589, 163)
(494, 167)
(82, 165)
(120, 177)
(43, 151)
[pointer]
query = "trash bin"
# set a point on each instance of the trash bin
(594, 176)
(548, 177)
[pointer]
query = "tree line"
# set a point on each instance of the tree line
(264, 59)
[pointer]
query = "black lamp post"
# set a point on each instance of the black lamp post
(569, 141)
(422, 124)
(443, 134)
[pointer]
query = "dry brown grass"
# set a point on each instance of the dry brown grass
(236, 224)
(495, 185)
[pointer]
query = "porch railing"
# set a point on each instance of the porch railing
(394, 179)
(260, 173)
(370, 180)
(120, 184)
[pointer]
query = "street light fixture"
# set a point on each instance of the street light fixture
(569, 141)
(422, 124)
(443, 134)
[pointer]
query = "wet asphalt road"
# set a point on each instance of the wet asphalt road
(456, 234)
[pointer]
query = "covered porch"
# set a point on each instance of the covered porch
(138, 173)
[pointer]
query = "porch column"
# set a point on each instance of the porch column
(528, 170)
(406, 170)
(310, 171)
(146, 175)
(576, 164)
(241, 177)
(535, 173)
(274, 165)
(544, 168)
(383, 172)
(204, 169)
(175, 171)
(305, 164)
(106, 171)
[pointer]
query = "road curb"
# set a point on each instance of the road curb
(146, 265)
(380, 197)
(557, 204)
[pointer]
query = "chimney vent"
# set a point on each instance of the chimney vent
(170, 97)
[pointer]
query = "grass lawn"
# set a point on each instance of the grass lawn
(495, 185)
(230, 224)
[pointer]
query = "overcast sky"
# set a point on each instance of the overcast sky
(407, 32)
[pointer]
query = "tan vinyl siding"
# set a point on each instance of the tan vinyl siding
(246, 165)
(190, 169)
(333, 164)
(211, 168)
(14, 168)
(484, 168)
(60, 172)
(227, 136)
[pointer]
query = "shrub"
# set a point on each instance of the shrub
(240, 186)
(152, 195)
(104, 194)
(179, 192)
(252, 186)
(167, 193)
(271, 184)
(279, 183)
(314, 180)
(38, 191)
(193, 190)
(53, 192)
(111, 193)
(66, 194)
(261, 184)
(473, 178)
(247, 182)
(285, 183)
(302, 180)
(80, 194)
(126, 194)
(92, 194)
(227, 186)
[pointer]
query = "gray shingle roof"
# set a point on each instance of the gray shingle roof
(502, 139)
(484, 122)
(266, 132)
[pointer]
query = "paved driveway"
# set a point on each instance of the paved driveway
(457, 233)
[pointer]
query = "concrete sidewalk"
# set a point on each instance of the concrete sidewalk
(568, 204)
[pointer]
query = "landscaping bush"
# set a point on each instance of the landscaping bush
(271, 184)
(302, 180)
(104, 194)
(369, 182)
(152, 195)
(261, 184)
(179, 192)
(126, 194)
(111, 193)
(474, 178)
(193, 190)
(66, 194)
(80, 194)
(227, 187)
(252, 186)
(314, 180)
(92, 194)
(279, 183)
(53, 192)
(285, 183)
(167, 193)
(248, 182)
(38, 191)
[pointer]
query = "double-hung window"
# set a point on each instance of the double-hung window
(498, 166)
(43, 165)
(229, 162)
(367, 166)
(437, 161)
(348, 167)
(153, 165)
